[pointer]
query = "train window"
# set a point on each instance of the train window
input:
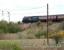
(34, 18)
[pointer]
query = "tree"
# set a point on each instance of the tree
(11, 27)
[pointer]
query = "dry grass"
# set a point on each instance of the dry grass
(41, 27)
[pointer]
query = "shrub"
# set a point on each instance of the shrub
(11, 27)
(57, 36)
(61, 26)
(40, 33)
(50, 23)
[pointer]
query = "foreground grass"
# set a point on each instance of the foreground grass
(10, 45)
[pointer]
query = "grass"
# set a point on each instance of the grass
(39, 30)
(10, 45)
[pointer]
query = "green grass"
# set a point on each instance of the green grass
(10, 45)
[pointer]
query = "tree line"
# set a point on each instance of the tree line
(11, 27)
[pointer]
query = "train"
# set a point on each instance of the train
(53, 18)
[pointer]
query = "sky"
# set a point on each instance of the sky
(20, 8)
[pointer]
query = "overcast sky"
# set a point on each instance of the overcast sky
(20, 8)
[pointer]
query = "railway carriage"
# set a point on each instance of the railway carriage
(53, 18)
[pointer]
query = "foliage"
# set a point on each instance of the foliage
(19, 22)
(39, 30)
(58, 36)
(57, 33)
(40, 33)
(9, 45)
(57, 39)
(61, 26)
(50, 23)
(11, 27)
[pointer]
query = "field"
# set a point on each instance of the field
(10, 45)
(34, 38)
(28, 44)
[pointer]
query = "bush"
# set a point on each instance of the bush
(50, 23)
(40, 33)
(11, 27)
(61, 26)
(57, 39)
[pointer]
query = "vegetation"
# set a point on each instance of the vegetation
(40, 33)
(39, 30)
(9, 45)
(61, 26)
(11, 27)
(35, 31)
